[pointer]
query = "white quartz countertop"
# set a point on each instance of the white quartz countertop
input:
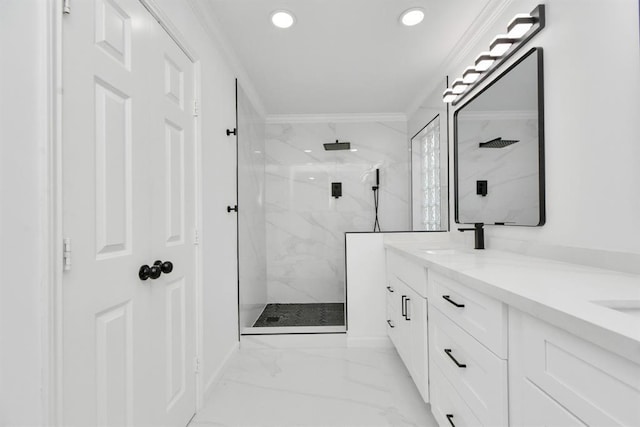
(559, 293)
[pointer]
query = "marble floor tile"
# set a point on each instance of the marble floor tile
(315, 387)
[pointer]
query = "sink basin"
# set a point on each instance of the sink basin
(441, 251)
(630, 307)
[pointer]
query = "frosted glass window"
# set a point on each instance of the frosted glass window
(430, 176)
(429, 182)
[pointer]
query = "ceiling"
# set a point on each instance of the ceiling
(342, 56)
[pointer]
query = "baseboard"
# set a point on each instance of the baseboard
(369, 342)
(218, 373)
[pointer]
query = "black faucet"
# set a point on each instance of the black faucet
(479, 234)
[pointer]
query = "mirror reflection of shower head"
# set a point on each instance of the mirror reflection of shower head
(337, 146)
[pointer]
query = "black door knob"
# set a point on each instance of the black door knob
(144, 272)
(154, 272)
(166, 267)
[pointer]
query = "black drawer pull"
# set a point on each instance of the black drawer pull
(448, 298)
(390, 289)
(458, 364)
(404, 307)
(449, 417)
(390, 323)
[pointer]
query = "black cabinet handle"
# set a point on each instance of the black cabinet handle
(234, 208)
(448, 298)
(232, 132)
(458, 364)
(406, 308)
(390, 323)
(449, 417)
(390, 289)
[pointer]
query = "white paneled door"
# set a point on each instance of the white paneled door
(128, 199)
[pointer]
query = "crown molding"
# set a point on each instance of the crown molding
(335, 118)
(206, 18)
(483, 23)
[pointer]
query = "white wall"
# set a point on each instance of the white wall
(23, 138)
(592, 106)
(305, 224)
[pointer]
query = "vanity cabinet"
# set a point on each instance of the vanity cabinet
(467, 355)
(407, 317)
(557, 378)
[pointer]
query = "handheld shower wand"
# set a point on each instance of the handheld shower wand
(376, 197)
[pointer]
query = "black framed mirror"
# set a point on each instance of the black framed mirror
(499, 149)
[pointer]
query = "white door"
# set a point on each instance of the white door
(128, 156)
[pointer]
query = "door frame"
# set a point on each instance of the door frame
(52, 235)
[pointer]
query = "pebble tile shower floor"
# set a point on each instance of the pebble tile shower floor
(316, 314)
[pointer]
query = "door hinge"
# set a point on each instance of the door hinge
(196, 237)
(196, 108)
(196, 365)
(66, 7)
(66, 254)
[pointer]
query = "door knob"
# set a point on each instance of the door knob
(165, 267)
(144, 272)
(154, 272)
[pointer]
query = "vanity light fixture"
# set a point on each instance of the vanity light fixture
(448, 96)
(520, 25)
(500, 45)
(484, 61)
(282, 18)
(411, 17)
(470, 75)
(520, 30)
(458, 86)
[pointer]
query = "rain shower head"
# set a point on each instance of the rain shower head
(337, 146)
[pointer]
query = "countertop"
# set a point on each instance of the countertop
(557, 292)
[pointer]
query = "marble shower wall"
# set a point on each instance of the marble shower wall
(251, 212)
(305, 225)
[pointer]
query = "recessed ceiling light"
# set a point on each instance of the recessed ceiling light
(283, 18)
(411, 17)
(307, 151)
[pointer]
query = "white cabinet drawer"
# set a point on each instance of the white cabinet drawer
(478, 375)
(483, 317)
(447, 406)
(411, 273)
(592, 384)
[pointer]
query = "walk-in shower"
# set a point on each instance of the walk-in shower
(301, 187)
